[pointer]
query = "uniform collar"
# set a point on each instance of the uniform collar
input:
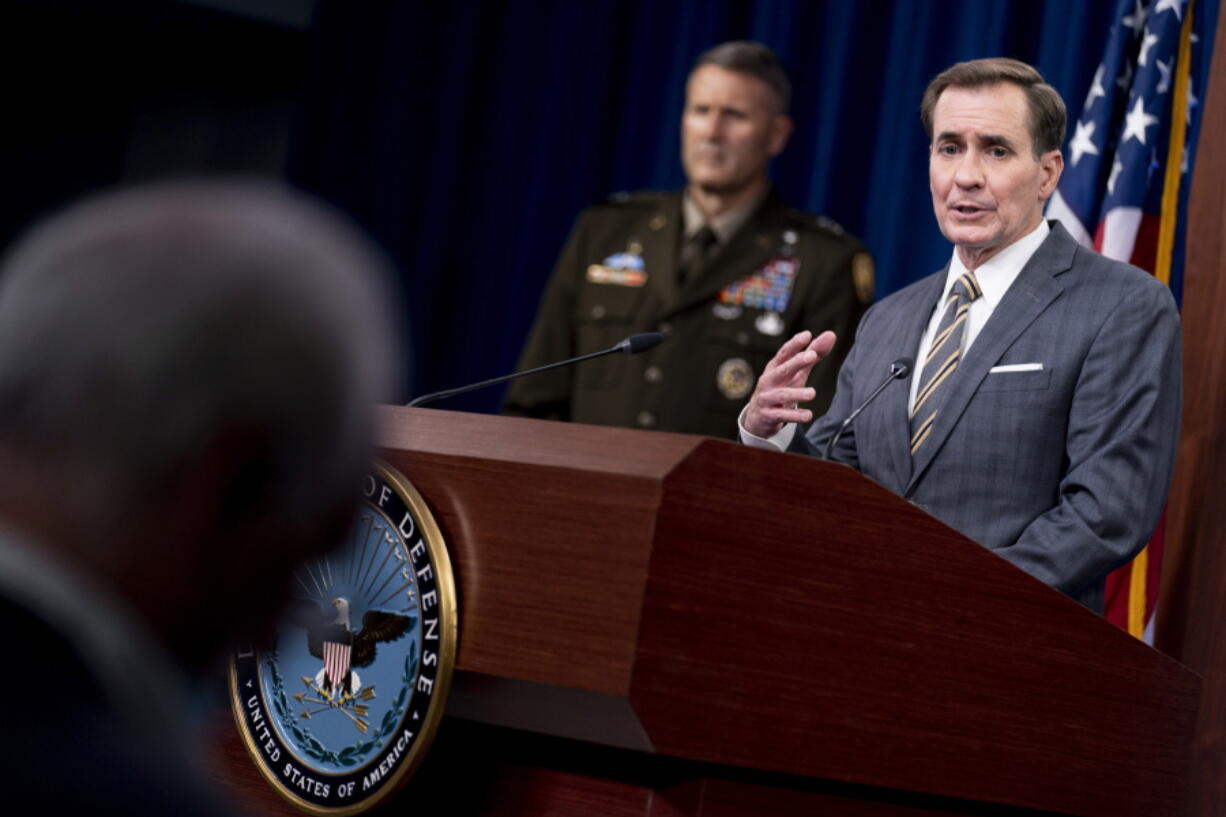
(725, 225)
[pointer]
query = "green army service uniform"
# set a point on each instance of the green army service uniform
(783, 271)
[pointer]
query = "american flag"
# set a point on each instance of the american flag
(1125, 182)
(336, 662)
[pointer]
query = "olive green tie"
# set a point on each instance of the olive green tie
(695, 253)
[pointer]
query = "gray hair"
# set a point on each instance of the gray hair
(136, 325)
(754, 59)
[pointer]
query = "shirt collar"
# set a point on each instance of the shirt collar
(998, 273)
(725, 224)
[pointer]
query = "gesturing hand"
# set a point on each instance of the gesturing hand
(781, 388)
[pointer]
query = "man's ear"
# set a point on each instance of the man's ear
(1051, 164)
(780, 131)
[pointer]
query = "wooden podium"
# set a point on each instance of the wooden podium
(660, 624)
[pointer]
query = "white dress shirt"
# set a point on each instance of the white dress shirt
(995, 277)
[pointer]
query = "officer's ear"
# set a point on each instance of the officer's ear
(780, 131)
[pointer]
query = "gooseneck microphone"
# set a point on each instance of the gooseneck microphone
(898, 370)
(630, 346)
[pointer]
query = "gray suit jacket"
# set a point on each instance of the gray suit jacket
(1063, 471)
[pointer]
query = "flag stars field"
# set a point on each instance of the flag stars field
(1164, 69)
(1137, 121)
(1083, 142)
(1136, 20)
(1096, 87)
(1169, 5)
(1150, 41)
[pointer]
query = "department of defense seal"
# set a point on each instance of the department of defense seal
(341, 710)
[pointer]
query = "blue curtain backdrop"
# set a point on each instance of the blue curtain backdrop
(466, 136)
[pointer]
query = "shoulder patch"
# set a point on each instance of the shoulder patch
(810, 221)
(831, 225)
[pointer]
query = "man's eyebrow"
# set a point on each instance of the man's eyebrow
(722, 107)
(996, 139)
(986, 138)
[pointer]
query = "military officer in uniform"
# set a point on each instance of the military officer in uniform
(722, 268)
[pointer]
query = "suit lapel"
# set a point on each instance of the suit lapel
(1033, 291)
(911, 329)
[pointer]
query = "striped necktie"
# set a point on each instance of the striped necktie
(942, 358)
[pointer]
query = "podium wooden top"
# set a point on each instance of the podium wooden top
(594, 449)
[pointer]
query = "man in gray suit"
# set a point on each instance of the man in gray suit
(1043, 406)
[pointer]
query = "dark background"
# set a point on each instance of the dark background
(466, 136)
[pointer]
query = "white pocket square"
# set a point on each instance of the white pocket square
(1017, 367)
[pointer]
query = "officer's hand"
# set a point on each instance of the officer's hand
(781, 387)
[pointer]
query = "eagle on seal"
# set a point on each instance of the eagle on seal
(339, 647)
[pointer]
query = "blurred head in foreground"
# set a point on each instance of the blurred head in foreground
(187, 375)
